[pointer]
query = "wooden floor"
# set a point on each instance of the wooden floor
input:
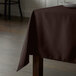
(12, 35)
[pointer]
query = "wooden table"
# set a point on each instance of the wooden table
(52, 35)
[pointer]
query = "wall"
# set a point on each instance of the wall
(29, 5)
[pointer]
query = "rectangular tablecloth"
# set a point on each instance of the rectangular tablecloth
(51, 34)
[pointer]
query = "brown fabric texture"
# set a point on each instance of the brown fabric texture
(51, 34)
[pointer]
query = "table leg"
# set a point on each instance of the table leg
(37, 66)
(19, 4)
(9, 9)
(5, 9)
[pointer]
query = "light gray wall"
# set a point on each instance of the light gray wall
(29, 5)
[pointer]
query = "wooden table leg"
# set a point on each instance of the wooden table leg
(9, 9)
(37, 66)
(5, 8)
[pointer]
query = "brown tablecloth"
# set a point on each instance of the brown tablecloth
(51, 34)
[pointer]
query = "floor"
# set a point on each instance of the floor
(12, 35)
